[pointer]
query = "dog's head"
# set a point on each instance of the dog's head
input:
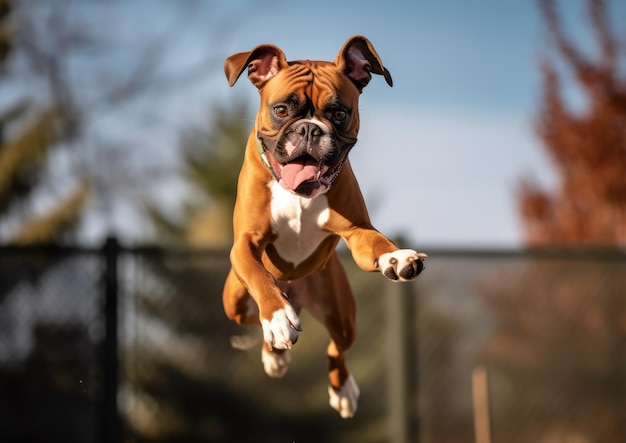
(308, 120)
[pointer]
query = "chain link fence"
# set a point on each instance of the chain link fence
(51, 338)
(132, 345)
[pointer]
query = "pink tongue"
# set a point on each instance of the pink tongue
(299, 171)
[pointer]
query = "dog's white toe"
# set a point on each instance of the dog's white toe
(275, 363)
(281, 332)
(401, 265)
(345, 400)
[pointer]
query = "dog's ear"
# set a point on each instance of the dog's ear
(358, 59)
(263, 63)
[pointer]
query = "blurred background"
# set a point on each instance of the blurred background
(500, 151)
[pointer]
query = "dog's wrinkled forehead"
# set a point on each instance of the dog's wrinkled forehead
(313, 83)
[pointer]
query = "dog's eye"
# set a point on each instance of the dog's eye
(340, 115)
(281, 111)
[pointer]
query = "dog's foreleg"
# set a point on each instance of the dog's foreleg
(278, 319)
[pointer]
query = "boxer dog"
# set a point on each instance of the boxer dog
(296, 197)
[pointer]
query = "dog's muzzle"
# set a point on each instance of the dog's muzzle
(304, 175)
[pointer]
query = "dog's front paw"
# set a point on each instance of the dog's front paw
(345, 400)
(281, 331)
(401, 265)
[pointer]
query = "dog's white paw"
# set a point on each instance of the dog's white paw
(401, 265)
(281, 332)
(275, 363)
(345, 400)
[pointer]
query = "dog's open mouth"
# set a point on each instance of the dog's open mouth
(304, 175)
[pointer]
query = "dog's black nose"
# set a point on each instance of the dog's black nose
(309, 132)
(308, 138)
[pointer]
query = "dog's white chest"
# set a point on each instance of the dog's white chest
(298, 223)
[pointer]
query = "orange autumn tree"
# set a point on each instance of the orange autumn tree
(587, 147)
(556, 353)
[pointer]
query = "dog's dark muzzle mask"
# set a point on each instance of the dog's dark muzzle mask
(305, 158)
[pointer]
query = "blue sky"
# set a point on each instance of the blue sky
(441, 154)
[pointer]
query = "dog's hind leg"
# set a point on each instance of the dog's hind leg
(343, 399)
(333, 304)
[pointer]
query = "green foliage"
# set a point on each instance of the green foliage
(64, 215)
(22, 157)
(24, 152)
(212, 157)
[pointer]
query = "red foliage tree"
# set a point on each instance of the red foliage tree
(556, 355)
(588, 147)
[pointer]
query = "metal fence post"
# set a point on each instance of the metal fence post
(410, 293)
(110, 420)
(403, 372)
(397, 374)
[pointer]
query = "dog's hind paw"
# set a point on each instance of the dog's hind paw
(281, 332)
(275, 363)
(401, 265)
(345, 400)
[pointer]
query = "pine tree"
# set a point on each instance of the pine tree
(27, 137)
(588, 147)
(212, 158)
